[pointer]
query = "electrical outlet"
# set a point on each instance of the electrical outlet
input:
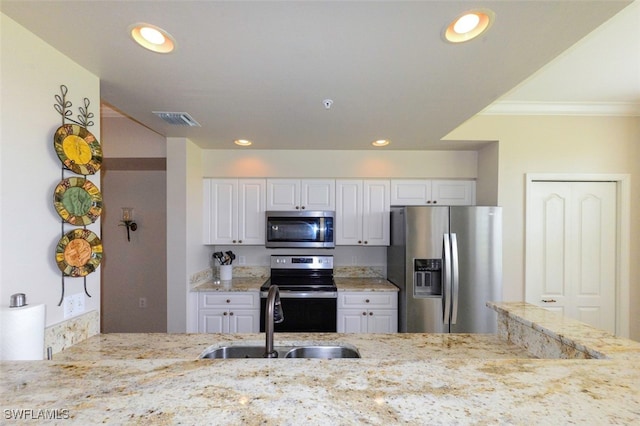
(79, 303)
(73, 305)
(67, 305)
(242, 260)
(142, 302)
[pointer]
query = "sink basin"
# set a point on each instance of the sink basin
(306, 351)
(225, 352)
(323, 352)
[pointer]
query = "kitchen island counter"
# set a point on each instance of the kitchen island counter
(432, 385)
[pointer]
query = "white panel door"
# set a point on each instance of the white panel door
(571, 250)
(410, 192)
(348, 226)
(318, 194)
(376, 212)
(251, 211)
(352, 321)
(220, 216)
(453, 192)
(283, 194)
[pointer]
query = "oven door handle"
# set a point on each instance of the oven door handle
(289, 294)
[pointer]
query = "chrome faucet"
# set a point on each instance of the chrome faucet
(273, 315)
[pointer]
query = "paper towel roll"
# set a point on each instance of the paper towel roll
(22, 333)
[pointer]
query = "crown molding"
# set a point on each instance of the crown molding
(563, 108)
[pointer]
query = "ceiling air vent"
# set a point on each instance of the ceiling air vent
(177, 118)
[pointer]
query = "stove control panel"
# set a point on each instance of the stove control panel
(301, 262)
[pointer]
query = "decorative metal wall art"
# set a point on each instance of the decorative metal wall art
(76, 199)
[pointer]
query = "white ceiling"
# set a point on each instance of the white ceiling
(261, 70)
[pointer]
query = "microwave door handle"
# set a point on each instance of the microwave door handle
(322, 229)
(455, 278)
(446, 296)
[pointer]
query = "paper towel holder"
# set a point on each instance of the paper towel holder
(18, 300)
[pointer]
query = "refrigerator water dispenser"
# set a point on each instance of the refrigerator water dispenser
(427, 277)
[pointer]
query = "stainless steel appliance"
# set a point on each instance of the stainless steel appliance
(308, 294)
(300, 229)
(447, 262)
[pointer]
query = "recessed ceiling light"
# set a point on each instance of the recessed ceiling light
(381, 142)
(469, 25)
(153, 38)
(242, 142)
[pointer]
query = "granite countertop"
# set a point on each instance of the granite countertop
(254, 283)
(587, 341)
(236, 284)
(364, 284)
(402, 378)
(129, 346)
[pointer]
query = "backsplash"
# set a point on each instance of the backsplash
(67, 333)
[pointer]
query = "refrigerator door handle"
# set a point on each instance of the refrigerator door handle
(446, 296)
(455, 278)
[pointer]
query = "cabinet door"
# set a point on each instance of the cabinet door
(318, 194)
(283, 194)
(348, 222)
(244, 321)
(251, 211)
(352, 321)
(454, 192)
(213, 321)
(410, 192)
(382, 321)
(220, 223)
(375, 213)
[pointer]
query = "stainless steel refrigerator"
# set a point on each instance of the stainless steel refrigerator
(447, 262)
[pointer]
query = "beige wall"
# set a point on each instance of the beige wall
(30, 169)
(134, 269)
(340, 164)
(558, 144)
(137, 268)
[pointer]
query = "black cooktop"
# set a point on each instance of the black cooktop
(301, 286)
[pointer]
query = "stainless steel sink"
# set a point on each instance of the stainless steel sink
(304, 351)
(225, 352)
(323, 352)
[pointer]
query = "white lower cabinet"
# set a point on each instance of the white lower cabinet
(229, 312)
(367, 312)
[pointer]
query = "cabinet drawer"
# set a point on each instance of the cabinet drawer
(360, 299)
(227, 299)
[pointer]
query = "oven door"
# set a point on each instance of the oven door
(305, 312)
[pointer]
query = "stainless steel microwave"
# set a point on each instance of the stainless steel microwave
(300, 229)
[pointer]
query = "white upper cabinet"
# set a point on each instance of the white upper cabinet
(301, 194)
(362, 212)
(234, 211)
(420, 192)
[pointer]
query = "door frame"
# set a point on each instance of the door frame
(623, 233)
